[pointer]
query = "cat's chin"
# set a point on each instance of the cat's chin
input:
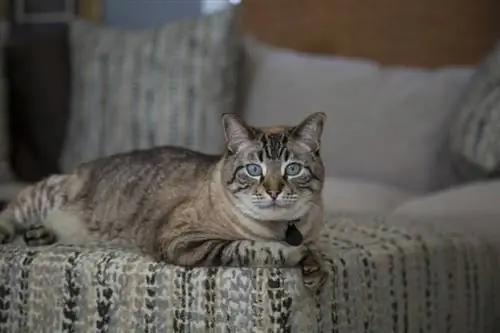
(269, 211)
(274, 213)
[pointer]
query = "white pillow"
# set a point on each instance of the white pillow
(350, 195)
(385, 124)
(473, 199)
(140, 88)
(473, 209)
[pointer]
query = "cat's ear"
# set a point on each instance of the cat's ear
(310, 129)
(236, 132)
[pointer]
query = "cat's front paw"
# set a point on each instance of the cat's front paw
(38, 235)
(314, 270)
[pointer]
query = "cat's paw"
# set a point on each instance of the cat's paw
(292, 256)
(249, 253)
(314, 270)
(38, 235)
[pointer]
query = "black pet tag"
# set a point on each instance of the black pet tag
(293, 236)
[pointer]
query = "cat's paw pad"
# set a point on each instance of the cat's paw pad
(314, 271)
(38, 235)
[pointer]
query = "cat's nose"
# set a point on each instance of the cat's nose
(273, 193)
(273, 184)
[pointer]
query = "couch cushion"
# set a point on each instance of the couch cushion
(471, 199)
(386, 275)
(136, 89)
(475, 135)
(385, 124)
(353, 195)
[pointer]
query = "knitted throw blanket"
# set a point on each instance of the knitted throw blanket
(385, 277)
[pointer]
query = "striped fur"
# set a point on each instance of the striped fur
(189, 208)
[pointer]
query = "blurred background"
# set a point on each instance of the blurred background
(297, 56)
(411, 91)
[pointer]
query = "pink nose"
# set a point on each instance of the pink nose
(273, 194)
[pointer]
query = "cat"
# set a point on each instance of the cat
(188, 208)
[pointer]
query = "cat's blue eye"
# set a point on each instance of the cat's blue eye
(254, 170)
(293, 169)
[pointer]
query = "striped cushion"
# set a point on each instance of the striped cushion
(475, 135)
(138, 89)
(387, 274)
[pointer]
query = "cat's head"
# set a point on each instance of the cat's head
(273, 173)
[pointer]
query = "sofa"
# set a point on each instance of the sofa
(386, 275)
(406, 248)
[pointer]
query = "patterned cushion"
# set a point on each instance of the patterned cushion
(5, 170)
(386, 276)
(138, 89)
(475, 134)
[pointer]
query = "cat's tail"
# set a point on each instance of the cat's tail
(35, 203)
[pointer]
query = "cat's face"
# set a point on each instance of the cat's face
(273, 173)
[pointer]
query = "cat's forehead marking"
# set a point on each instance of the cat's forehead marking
(274, 143)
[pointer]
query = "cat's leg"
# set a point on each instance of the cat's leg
(30, 214)
(278, 254)
(314, 267)
(197, 250)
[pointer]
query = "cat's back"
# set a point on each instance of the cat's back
(138, 171)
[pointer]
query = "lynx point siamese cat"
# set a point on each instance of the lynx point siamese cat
(259, 204)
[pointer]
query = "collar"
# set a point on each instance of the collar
(293, 236)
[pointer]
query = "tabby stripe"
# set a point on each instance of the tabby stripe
(241, 188)
(207, 252)
(200, 251)
(233, 178)
(269, 153)
(260, 156)
(313, 175)
(281, 150)
(217, 254)
(306, 187)
(37, 201)
(154, 175)
(286, 153)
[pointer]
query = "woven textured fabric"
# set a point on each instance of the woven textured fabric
(475, 135)
(135, 89)
(386, 276)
